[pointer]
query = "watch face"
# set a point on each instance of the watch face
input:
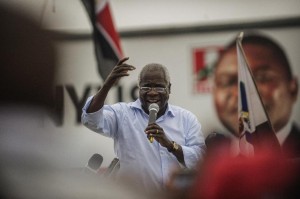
(175, 147)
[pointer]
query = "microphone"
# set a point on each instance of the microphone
(112, 168)
(93, 164)
(153, 110)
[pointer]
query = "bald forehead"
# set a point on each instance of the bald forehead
(152, 67)
(157, 68)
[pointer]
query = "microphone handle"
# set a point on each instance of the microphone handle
(152, 119)
(152, 116)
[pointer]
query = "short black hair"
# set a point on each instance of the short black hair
(27, 61)
(257, 38)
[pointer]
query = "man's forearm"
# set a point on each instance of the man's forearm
(176, 150)
(98, 100)
(179, 155)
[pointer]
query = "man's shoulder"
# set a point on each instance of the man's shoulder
(292, 142)
(122, 105)
(295, 132)
(126, 105)
(180, 110)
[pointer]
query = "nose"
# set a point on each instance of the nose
(232, 96)
(234, 91)
(152, 91)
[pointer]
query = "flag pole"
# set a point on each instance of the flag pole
(239, 42)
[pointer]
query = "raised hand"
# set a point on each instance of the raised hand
(120, 70)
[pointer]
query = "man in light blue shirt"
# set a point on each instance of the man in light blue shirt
(148, 153)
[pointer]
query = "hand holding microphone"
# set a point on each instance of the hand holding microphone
(154, 130)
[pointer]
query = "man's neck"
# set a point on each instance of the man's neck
(162, 111)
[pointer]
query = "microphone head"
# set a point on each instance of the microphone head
(95, 161)
(153, 107)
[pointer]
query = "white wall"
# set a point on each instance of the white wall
(69, 15)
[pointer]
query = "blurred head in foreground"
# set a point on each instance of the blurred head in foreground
(27, 70)
(27, 62)
(32, 155)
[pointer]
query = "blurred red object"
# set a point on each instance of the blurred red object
(267, 175)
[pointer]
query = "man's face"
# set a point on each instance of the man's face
(277, 92)
(154, 79)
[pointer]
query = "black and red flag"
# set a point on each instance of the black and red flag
(106, 40)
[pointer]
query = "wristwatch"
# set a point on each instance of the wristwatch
(175, 147)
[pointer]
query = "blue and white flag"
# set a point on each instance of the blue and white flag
(255, 128)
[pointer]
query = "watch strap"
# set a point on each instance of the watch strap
(175, 147)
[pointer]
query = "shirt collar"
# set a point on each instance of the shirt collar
(138, 105)
(284, 132)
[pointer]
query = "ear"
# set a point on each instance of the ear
(294, 88)
(169, 87)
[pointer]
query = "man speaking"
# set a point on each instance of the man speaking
(148, 151)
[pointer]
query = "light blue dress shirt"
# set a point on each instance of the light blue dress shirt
(149, 164)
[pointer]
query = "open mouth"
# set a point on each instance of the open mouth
(153, 101)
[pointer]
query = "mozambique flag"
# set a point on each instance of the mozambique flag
(106, 40)
(256, 131)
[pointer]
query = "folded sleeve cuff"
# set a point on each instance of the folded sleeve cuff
(92, 120)
(192, 155)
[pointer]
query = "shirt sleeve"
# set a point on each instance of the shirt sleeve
(103, 121)
(194, 148)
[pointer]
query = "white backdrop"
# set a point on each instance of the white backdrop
(77, 66)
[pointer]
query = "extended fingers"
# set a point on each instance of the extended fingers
(121, 64)
(124, 67)
(121, 70)
(121, 61)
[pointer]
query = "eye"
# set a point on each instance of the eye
(145, 88)
(160, 89)
(226, 82)
(266, 78)
(156, 89)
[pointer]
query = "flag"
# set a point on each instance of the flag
(106, 40)
(256, 131)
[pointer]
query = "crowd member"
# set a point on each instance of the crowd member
(34, 158)
(178, 139)
(275, 82)
(27, 69)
